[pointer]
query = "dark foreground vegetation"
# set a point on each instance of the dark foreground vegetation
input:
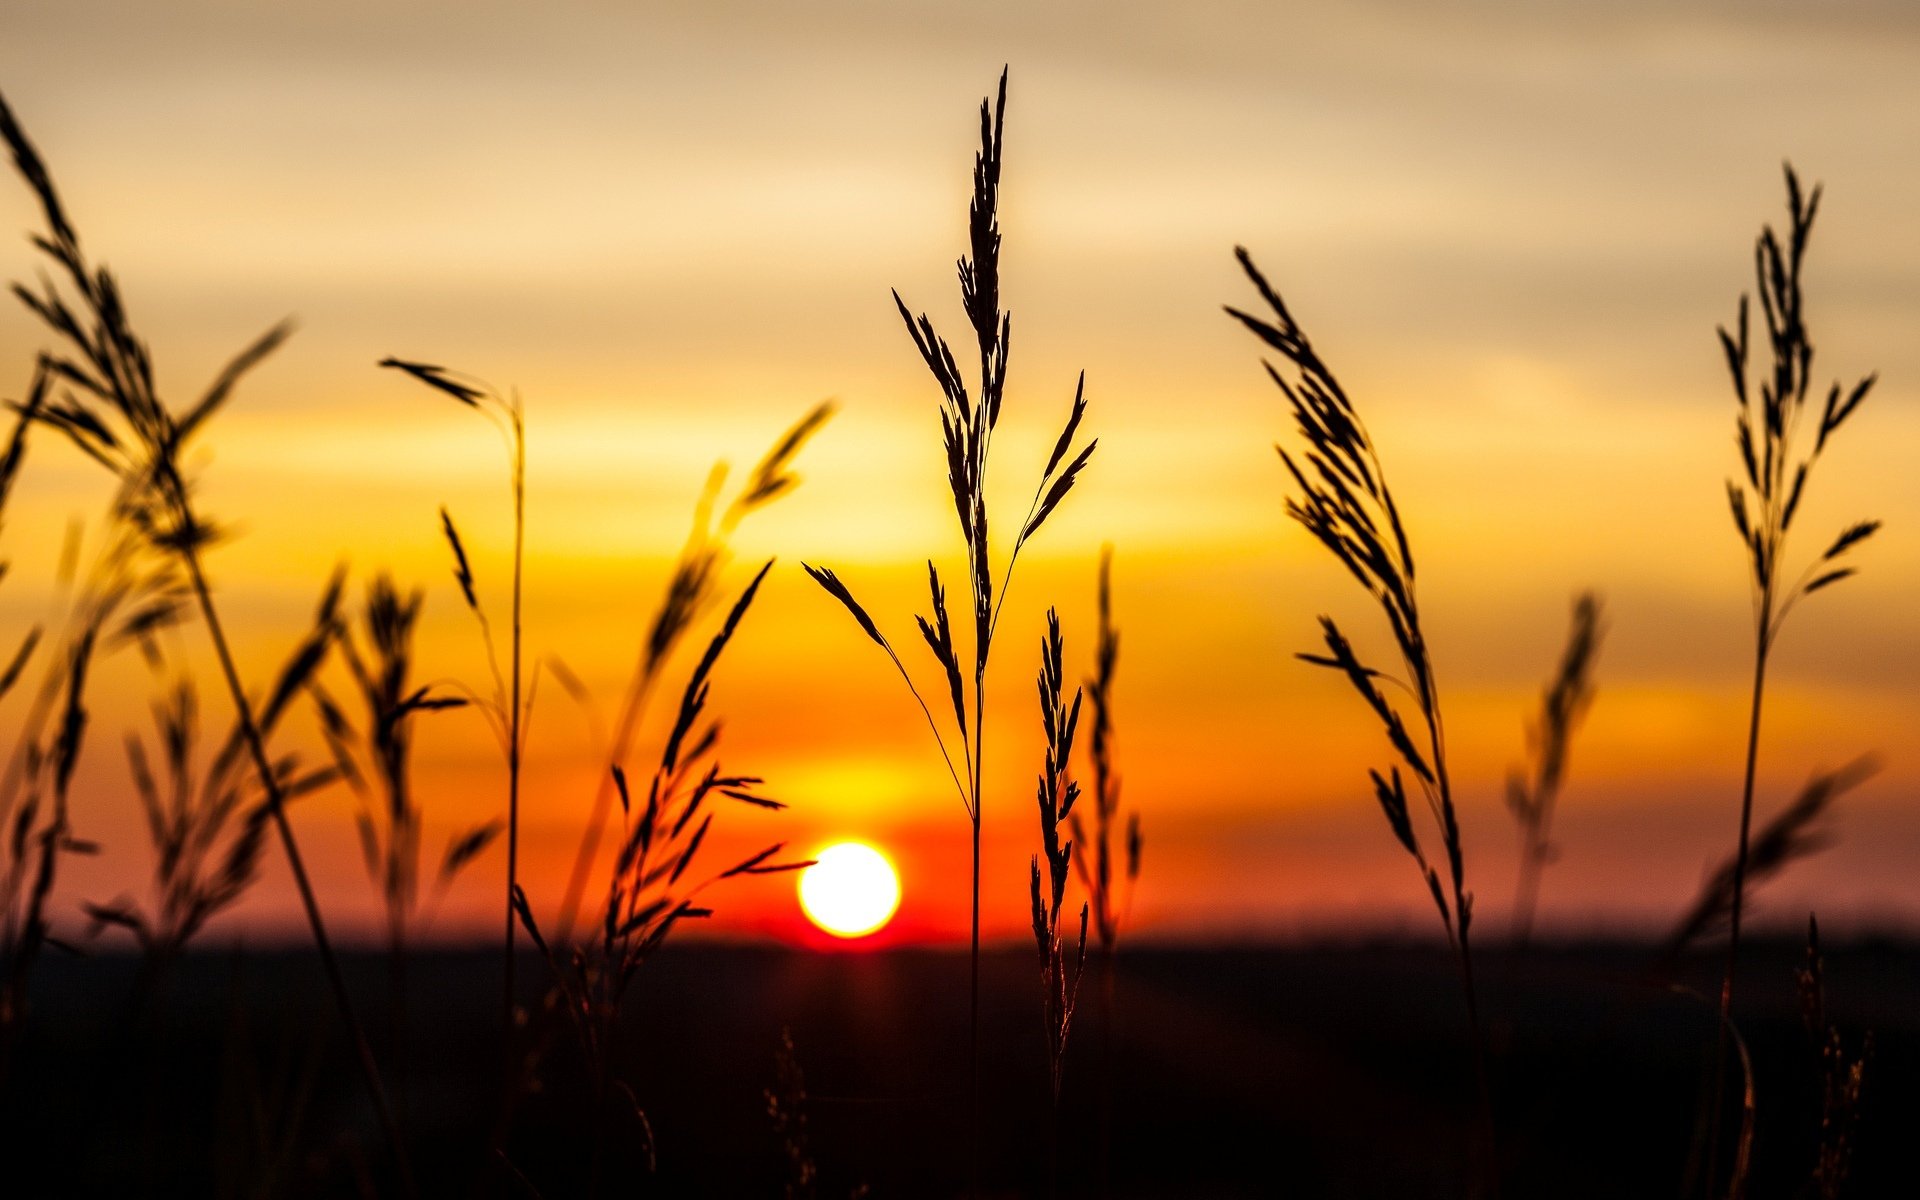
(1243, 1072)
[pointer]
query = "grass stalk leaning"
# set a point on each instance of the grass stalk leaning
(1343, 500)
(108, 380)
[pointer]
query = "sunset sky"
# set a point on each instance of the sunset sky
(1510, 227)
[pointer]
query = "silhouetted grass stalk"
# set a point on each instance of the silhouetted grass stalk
(690, 594)
(113, 373)
(967, 425)
(645, 896)
(208, 822)
(1056, 793)
(508, 706)
(1533, 796)
(1344, 502)
(1108, 917)
(1775, 468)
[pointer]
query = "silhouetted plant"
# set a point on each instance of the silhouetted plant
(207, 821)
(1797, 831)
(650, 890)
(39, 832)
(374, 755)
(1532, 794)
(1775, 466)
(1060, 972)
(1841, 1071)
(107, 379)
(1343, 500)
(507, 707)
(1109, 913)
(1099, 878)
(787, 1110)
(689, 596)
(967, 424)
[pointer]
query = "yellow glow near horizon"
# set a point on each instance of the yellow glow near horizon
(850, 891)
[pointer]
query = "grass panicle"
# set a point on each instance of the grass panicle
(207, 820)
(110, 408)
(1534, 793)
(1055, 794)
(967, 423)
(38, 834)
(654, 885)
(1776, 463)
(1061, 968)
(691, 591)
(1095, 863)
(1095, 858)
(374, 755)
(1342, 499)
(1777, 454)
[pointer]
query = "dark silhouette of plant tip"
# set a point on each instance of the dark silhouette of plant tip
(1533, 794)
(1109, 914)
(1343, 501)
(967, 423)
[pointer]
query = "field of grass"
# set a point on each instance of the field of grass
(606, 1052)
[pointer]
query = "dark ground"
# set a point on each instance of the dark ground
(1238, 1072)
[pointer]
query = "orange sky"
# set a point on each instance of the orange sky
(1511, 228)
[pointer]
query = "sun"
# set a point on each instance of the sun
(850, 891)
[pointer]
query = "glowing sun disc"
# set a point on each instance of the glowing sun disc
(850, 891)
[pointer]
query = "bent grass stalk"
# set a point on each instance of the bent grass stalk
(967, 424)
(108, 377)
(1343, 500)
